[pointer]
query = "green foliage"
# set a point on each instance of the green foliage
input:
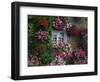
(32, 28)
(32, 42)
(46, 57)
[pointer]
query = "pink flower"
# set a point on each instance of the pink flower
(79, 53)
(32, 60)
(60, 53)
(29, 62)
(58, 24)
(41, 35)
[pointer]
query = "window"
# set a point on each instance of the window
(59, 36)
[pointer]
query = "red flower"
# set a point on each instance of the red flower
(35, 51)
(43, 22)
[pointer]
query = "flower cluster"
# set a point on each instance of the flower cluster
(34, 60)
(58, 24)
(61, 58)
(79, 53)
(58, 60)
(62, 53)
(63, 46)
(71, 57)
(41, 35)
